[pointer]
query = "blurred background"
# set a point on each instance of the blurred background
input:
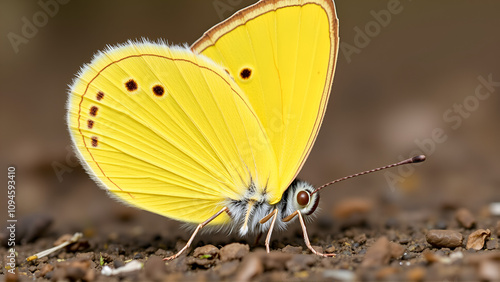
(411, 77)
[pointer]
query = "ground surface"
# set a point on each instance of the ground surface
(373, 240)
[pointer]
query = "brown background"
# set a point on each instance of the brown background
(395, 91)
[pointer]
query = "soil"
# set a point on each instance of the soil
(372, 240)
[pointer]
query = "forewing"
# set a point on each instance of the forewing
(168, 131)
(282, 54)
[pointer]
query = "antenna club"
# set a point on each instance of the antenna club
(418, 159)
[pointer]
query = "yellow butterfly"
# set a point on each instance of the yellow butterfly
(215, 134)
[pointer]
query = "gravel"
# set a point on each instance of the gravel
(368, 246)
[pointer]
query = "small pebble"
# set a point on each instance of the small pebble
(207, 251)
(330, 249)
(465, 218)
(409, 255)
(233, 251)
(477, 239)
(444, 238)
(404, 240)
(46, 269)
(378, 254)
(416, 247)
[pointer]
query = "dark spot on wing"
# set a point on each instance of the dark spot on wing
(95, 142)
(131, 85)
(99, 95)
(245, 73)
(158, 90)
(93, 111)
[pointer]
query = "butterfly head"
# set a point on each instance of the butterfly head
(303, 199)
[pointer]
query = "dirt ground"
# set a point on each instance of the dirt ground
(373, 239)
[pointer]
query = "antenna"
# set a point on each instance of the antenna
(416, 159)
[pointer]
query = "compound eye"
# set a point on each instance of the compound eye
(303, 198)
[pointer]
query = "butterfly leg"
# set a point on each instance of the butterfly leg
(306, 238)
(200, 226)
(264, 220)
(304, 230)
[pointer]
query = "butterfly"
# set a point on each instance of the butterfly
(215, 134)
